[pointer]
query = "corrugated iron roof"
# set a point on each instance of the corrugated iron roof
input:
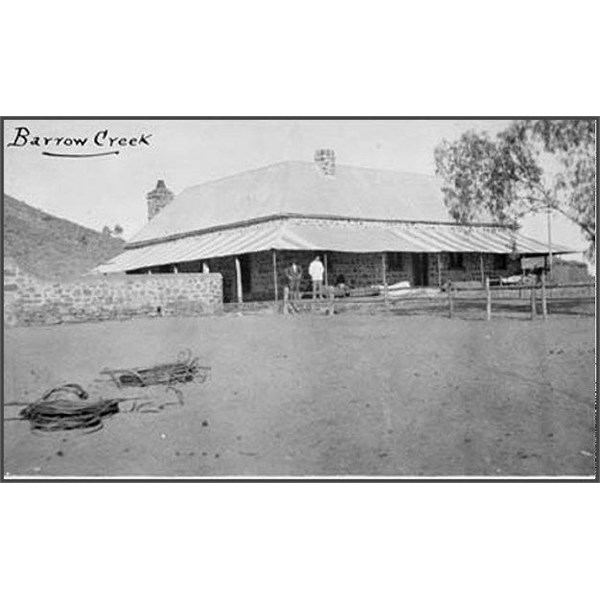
(299, 188)
(290, 234)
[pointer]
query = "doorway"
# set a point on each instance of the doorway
(420, 265)
(246, 268)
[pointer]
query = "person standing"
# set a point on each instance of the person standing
(294, 276)
(316, 271)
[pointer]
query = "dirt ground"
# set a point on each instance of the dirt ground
(309, 395)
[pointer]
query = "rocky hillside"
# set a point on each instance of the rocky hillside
(50, 247)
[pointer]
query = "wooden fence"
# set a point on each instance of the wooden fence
(538, 298)
(534, 300)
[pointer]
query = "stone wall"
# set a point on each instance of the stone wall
(226, 267)
(358, 270)
(32, 301)
(14, 279)
(471, 270)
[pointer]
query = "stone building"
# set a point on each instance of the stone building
(368, 225)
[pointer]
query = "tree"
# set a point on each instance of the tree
(532, 165)
(117, 230)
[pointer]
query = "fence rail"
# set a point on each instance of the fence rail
(539, 297)
(533, 299)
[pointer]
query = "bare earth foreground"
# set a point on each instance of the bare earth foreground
(361, 395)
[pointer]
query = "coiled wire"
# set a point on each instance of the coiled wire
(68, 407)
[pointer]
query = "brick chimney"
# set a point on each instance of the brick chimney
(325, 162)
(158, 198)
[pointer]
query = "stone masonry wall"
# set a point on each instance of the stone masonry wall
(31, 301)
(226, 267)
(471, 270)
(358, 270)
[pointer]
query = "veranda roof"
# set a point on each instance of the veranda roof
(293, 235)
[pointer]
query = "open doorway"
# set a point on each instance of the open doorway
(420, 269)
(246, 269)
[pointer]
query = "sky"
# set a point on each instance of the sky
(111, 189)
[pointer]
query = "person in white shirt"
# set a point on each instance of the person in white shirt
(316, 271)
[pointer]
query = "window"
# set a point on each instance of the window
(394, 261)
(500, 262)
(455, 260)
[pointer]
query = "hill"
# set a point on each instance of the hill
(51, 247)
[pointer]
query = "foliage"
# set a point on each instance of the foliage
(117, 230)
(530, 166)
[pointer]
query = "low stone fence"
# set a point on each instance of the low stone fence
(32, 301)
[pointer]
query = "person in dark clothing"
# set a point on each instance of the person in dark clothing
(294, 276)
(537, 271)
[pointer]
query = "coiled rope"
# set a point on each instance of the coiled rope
(68, 407)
